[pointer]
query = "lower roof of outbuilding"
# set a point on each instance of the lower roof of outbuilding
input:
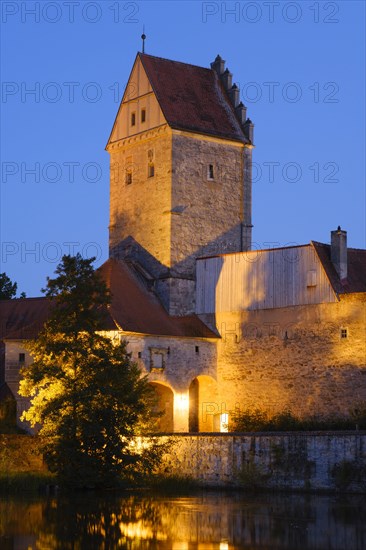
(133, 309)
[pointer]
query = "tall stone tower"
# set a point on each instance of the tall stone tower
(180, 174)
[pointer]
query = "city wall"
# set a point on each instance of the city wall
(293, 461)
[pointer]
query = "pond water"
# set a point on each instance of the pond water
(201, 521)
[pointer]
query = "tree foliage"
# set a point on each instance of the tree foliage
(7, 289)
(87, 395)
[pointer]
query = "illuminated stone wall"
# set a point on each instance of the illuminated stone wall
(175, 363)
(140, 223)
(13, 349)
(172, 363)
(166, 221)
(210, 210)
(293, 358)
(310, 461)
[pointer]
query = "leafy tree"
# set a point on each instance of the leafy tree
(87, 395)
(7, 289)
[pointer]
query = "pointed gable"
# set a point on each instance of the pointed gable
(138, 97)
(187, 97)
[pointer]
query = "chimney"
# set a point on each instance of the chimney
(218, 65)
(338, 252)
(227, 79)
(241, 113)
(248, 129)
(234, 94)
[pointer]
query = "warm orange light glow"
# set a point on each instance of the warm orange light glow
(140, 531)
(224, 426)
(182, 401)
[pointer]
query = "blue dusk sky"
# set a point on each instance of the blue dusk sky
(301, 71)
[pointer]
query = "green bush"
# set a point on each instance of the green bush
(256, 420)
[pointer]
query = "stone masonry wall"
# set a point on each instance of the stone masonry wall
(182, 362)
(140, 211)
(293, 358)
(177, 295)
(12, 374)
(173, 364)
(304, 461)
(209, 212)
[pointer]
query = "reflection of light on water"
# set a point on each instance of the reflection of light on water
(224, 546)
(140, 531)
(180, 546)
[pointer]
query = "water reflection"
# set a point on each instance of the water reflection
(205, 521)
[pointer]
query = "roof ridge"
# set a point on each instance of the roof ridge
(348, 247)
(255, 250)
(358, 249)
(174, 61)
(25, 299)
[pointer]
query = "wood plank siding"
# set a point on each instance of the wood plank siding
(262, 279)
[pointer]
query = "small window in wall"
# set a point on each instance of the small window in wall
(311, 278)
(344, 333)
(21, 357)
(133, 119)
(210, 172)
(128, 176)
(158, 359)
(128, 173)
(150, 170)
(143, 115)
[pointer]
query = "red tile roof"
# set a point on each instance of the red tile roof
(133, 309)
(192, 98)
(23, 318)
(356, 269)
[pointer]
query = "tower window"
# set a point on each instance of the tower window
(21, 357)
(128, 177)
(143, 115)
(210, 172)
(150, 170)
(344, 333)
(128, 173)
(133, 119)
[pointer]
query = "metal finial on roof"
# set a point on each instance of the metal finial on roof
(143, 36)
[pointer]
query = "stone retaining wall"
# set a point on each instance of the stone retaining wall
(304, 461)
